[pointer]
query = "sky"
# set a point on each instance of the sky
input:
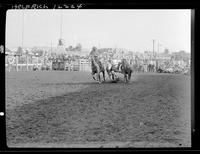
(130, 29)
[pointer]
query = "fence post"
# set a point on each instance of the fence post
(27, 62)
(16, 63)
(37, 61)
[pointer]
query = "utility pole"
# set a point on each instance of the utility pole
(51, 48)
(51, 57)
(61, 20)
(153, 48)
(27, 59)
(22, 29)
(157, 61)
(16, 57)
(22, 43)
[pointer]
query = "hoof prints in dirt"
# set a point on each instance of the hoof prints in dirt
(98, 113)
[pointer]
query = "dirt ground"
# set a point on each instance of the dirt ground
(70, 109)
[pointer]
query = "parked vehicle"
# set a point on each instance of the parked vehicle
(58, 65)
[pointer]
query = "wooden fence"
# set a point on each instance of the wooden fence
(81, 66)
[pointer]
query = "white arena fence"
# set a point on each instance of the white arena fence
(81, 66)
(78, 65)
(84, 65)
(22, 67)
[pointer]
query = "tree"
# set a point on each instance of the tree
(8, 50)
(182, 52)
(78, 47)
(38, 52)
(70, 48)
(19, 51)
(60, 42)
(166, 51)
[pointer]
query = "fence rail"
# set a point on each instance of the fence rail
(28, 67)
(85, 65)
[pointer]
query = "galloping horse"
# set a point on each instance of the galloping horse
(125, 69)
(97, 68)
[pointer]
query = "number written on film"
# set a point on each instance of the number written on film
(47, 6)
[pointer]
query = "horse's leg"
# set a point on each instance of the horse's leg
(109, 74)
(113, 76)
(93, 75)
(129, 76)
(125, 77)
(99, 77)
(104, 76)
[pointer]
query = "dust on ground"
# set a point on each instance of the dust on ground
(70, 109)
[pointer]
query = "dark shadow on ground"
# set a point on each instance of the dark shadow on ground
(90, 83)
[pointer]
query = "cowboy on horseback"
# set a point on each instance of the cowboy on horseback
(96, 65)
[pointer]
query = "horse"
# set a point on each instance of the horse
(97, 68)
(122, 67)
(125, 70)
(111, 69)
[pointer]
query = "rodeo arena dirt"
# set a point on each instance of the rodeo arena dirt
(68, 108)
